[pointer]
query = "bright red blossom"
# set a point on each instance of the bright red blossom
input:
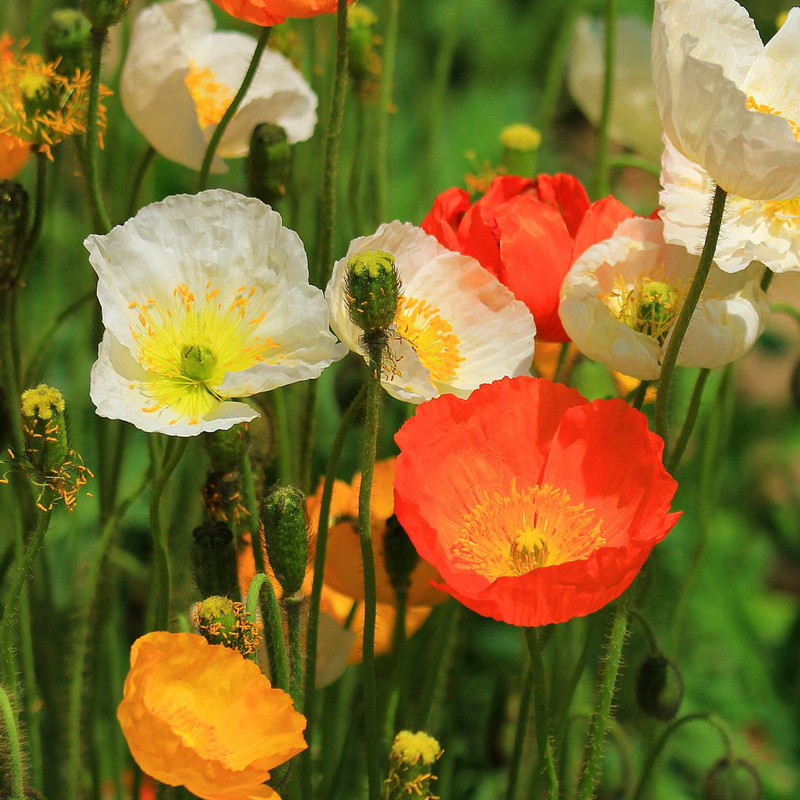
(273, 12)
(528, 233)
(534, 504)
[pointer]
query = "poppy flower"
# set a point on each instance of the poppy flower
(199, 715)
(622, 297)
(456, 325)
(534, 504)
(273, 12)
(727, 101)
(181, 74)
(527, 234)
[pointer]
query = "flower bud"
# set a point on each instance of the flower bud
(400, 555)
(45, 428)
(520, 143)
(659, 688)
(269, 163)
(227, 448)
(372, 288)
(411, 760)
(223, 621)
(102, 14)
(214, 560)
(67, 36)
(732, 779)
(283, 514)
(13, 230)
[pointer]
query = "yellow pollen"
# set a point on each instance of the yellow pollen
(431, 336)
(512, 534)
(649, 305)
(787, 211)
(760, 108)
(211, 96)
(41, 401)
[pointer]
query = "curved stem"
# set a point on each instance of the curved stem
(273, 628)
(163, 601)
(385, 107)
(312, 630)
(519, 735)
(601, 164)
(682, 323)
(398, 649)
(230, 112)
(544, 735)
(101, 222)
(138, 178)
(13, 745)
(689, 422)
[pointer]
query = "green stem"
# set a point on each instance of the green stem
(601, 164)
(145, 161)
(398, 649)
(273, 628)
(385, 107)
(13, 745)
(294, 605)
(602, 714)
(689, 422)
(101, 222)
(641, 394)
(561, 366)
(8, 373)
(682, 323)
(544, 736)
(38, 212)
(309, 430)
(647, 772)
(312, 629)
(637, 162)
(230, 111)
(163, 594)
(519, 736)
(652, 642)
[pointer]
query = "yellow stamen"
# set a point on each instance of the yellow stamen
(211, 96)
(649, 305)
(760, 108)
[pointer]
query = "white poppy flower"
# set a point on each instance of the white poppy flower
(622, 296)
(456, 327)
(634, 117)
(727, 101)
(752, 230)
(205, 298)
(180, 75)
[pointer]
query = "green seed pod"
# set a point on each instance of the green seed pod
(222, 621)
(732, 779)
(520, 143)
(372, 287)
(399, 553)
(410, 764)
(67, 36)
(45, 428)
(102, 14)
(227, 448)
(269, 163)
(659, 688)
(283, 515)
(13, 230)
(214, 560)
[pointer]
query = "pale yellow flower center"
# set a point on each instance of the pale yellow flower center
(211, 96)
(431, 336)
(189, 347)
(512, 534)
(649, 306)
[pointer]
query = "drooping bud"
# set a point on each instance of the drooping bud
(227, 448)
(45, 428)
(658, 307)
(269, 163)
(410, 766)
(400, 555)
(283, 514)
(13, 230)
(222, 621)
(102, 14)
(67, 39)
(520, 143)
(364, 63)
(732, 779)
(372, 288)
(659, 688)
(214, 560)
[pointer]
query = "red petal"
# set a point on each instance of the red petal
(599, 224)
(566, 193)
(443, 219)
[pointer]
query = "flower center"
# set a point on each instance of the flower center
(512, 534)
(785, 211)
(211, 96)
(648, 307)
(189, 348)
(432, 337)
(760, 108)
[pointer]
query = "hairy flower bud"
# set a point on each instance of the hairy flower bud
(214, 560)
(45, 428)
(283, 514)
(102, 14)
(400, 555)
(269, 163)
(373, 291)
(732, 779)
(222, 621)
(520, 143)
(13, 230)
(67, 39)
(659, 688)
(411, 760)
(227, 448)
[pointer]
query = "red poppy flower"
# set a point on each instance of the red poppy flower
(528, 234)
(534, 504)
(273, 12)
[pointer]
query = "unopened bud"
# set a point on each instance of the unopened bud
(227, 448)
(102, 14)
(400, 555)
(67, 39)
(223, 621)
(520, 143)
(283, 514)
(659, 688)
(410, 769)
(372, 287)
(214, 560)
(269, 163)
(13, 230)
(45, 428)
(732, 779)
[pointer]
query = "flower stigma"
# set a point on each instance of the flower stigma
(648, 306)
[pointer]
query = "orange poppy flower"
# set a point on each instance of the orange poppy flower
(273, 12)
(534, 504)
(201, 716)
(14, 154)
